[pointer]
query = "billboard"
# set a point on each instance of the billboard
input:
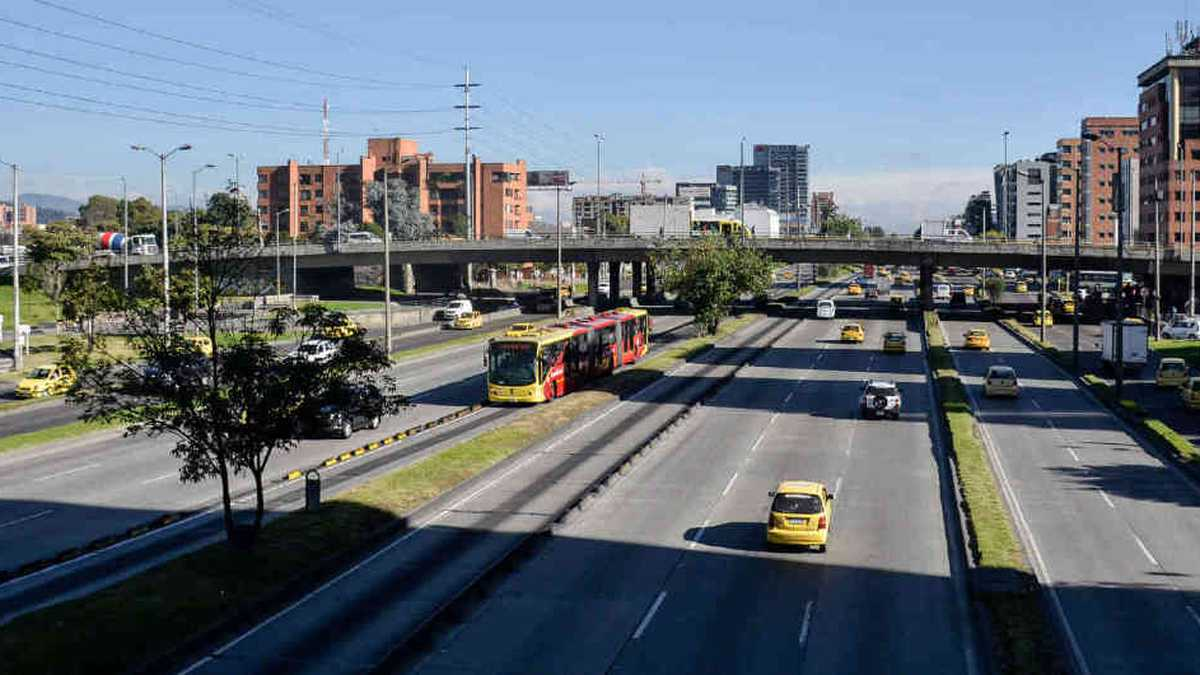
(548, 179)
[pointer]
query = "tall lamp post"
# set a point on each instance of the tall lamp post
(125, 231)
(166, 252)
(278, 268)
(742, 181)
(600, 217)
(196, 235)
(18, 355)
(558, 234)
(387, 266)
(1004, 185)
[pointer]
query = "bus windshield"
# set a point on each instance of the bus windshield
(512, 364)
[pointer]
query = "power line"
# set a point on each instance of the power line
(224, 52)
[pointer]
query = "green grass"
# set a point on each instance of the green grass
(146, 618)
(59, 433)
(1023, 639)
(1188, 350)
(36, 307)
(351, 305)
(1169, 438)
(1159, 432)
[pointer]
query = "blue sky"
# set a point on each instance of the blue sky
(902, 103)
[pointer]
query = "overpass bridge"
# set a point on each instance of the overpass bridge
(325, 266)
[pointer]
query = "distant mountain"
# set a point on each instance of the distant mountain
(45, 201)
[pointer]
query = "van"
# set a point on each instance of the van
(362, 238)
(456, 308)
(941, 292)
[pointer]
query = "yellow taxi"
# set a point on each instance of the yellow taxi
(885, 273)
(1041, 317)
(977, 338)
(895, 341)
(343, 327)
(521, 329)
(467, 321)
(800, 514)
(1021, 287)
(48, 380)
(969, 291)
(201, 344)
(1171, 372)
(853, 332)
(897, 301)
(904, 278)
(854, 289)
(1189, 393)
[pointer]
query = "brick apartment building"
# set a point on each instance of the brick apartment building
(1169, 121)
(821, 202)
(309, 192)
(1061, 225)
(28, 214)
(1098, 166)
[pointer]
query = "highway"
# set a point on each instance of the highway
(668, 572)
(1111, 530)
(72, 493)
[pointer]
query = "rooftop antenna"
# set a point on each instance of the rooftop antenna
(325, 131)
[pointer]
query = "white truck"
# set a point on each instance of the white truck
(1135, 344)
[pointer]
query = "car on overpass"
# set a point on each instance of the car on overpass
(880, 399)
(800, 514)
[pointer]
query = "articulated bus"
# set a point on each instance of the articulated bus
(559, 359)
(731, 229)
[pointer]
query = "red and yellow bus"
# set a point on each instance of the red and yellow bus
(559, 359)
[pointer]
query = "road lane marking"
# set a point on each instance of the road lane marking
(729, 484)
(1146, 551)
(699, 534)
(1073, 455)
(26, 519)
(158, 478)
(788, 398)
(1192, 612)
(662, 595)
(68, 472)
(837, 486)
(806, 622)
(1108, 501)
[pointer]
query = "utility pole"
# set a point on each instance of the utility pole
(1119, 186)
(1157, 267)
(196, 236)
(166, 253)
(1075, 299)
(600, 215)
(125, 230)
(1004, 185)
(18, 353)
(278, 268)
(468, 167)
(387, 267)
(1045, 212)
(338, 247)
(1192, 247)
(742, 181)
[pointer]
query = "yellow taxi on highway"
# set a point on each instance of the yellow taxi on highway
(1021, 287)
(342, 327)
(201, 344)
(1041, 317)
(521, 329)
(895, 341)
(1171, 372)
(467, 321)
(977, 338)
(48, 380)
(969, 291)
(800, 514)
(904, 278)
(1189, 393)
(853, 332)
(854, 288)
(1001, 381)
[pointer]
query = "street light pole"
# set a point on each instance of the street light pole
(278, 270)
(742, 181)
(387, 267)
(18, 354)
(1045, 212)
(196, 236)
(600, 217)
(1157, 267)
(125, 230)
(1004, 184)
(1192, 248)
(166, 251)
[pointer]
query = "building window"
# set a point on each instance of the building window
(320, 194)
(304, 210)
(320, 178)
(305, 179)
(305, 194)
(320, 208)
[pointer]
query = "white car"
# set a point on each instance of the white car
(941, 292)
(1183, 328)
(316, 351)
(362, 238)
(826, 309)
(456, 308)
(880, 399)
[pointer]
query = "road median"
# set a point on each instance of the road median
(1007, 596)
(201, 596)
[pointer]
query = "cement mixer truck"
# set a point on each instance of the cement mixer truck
(114, 243)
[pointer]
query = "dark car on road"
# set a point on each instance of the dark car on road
(357, 406)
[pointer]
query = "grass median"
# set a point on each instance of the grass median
(61, 432)
(143, 620)
(1021, 636)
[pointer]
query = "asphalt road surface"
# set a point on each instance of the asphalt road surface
(1113, 532)
(66, 495)
(668, 572)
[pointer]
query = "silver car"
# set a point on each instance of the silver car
(880, 399)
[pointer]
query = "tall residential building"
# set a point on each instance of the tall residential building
(822, 203)
(1098, 169)
(1169, 140)
(1027, 188)
(759, 184)
(792, 162)
(1068, 200)
(28, 214)
(703, 195)
(305, 196)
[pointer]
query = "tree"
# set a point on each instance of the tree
(230, 413)
(100, 212)
(226, 208)
(838, 225)
(50, 251)
(88, 293)
(404, 213)
(995, 288)
(712, 273)
(615, 224)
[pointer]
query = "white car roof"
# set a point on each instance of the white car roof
(881, 383)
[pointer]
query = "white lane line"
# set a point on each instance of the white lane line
(806, 622)
(788, 398)
(1073, 455)
(1145, 551)
(729, 484)
(662, 595)
(837, 486)
(1192, 612)
(763, 434)
(696, 540)
(1108, 501)
(158, 478)
(68, 472)
(26, 519)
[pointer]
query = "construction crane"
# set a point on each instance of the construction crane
(643, 181)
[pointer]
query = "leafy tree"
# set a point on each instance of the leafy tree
(458, 225)
(226, 208)
(615, 224)
(995, 288)
(875, 231)
(50, 251)
(233, 412)
(88, 293)
(351, 205)
(404, 213)
(839, 225)
(712, 273)
(100, 212)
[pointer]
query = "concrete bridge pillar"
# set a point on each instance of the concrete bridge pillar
(637, 279)
(926, 286)
(614, 283)
(593, 282)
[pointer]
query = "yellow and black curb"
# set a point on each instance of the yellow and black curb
(348, 455)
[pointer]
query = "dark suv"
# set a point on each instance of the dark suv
(358, 406)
